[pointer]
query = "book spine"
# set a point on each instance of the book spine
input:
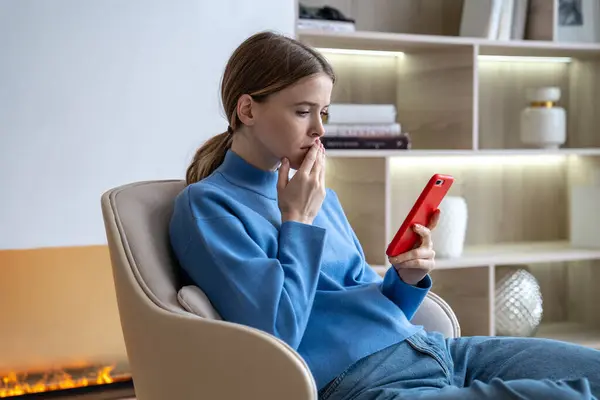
(506, 19)
(324, 25)
(519, 20)
(362, 130)
(343, 143)
(361, 114)
(480, 18)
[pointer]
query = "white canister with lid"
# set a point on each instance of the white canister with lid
(543, 122)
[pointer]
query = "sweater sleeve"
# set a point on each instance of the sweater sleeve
(248, 287)
(407, 297)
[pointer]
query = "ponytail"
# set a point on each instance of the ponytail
(208, 157)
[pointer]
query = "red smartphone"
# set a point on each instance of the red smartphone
(421, 212)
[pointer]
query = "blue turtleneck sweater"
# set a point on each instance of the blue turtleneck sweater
(309, 285)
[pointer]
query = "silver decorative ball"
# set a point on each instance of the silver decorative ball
(518, 308)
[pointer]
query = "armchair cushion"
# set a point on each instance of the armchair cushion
(193, 300)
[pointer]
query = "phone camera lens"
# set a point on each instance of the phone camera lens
(439, 182)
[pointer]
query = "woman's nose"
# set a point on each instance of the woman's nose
(318, 130)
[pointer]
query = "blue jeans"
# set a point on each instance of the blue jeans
(428, 366)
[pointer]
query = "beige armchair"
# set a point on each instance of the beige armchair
(177, 345)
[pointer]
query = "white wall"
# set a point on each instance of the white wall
(97, 93)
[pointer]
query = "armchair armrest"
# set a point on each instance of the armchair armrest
(435, 314)
(195, 357)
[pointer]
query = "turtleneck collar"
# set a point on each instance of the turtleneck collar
(243, 174)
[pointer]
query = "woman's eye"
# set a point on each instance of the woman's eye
(324, 116)
(302, 113)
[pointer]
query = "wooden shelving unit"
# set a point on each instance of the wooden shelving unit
(461, 108)
(412, 43)
(516, 254)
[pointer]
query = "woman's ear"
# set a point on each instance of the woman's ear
(245, 106)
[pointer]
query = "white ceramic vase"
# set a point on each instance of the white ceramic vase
(543, 122)
(449, 235)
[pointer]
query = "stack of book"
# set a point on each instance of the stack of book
(363, 126)
(324, 18)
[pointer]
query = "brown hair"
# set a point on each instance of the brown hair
(263, 64)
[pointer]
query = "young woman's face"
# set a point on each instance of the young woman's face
(290, 121)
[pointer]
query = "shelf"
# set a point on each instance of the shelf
(513, 254)
(518, 253)
(570, 332)
(363, 40)
(435, 153)
(393, 153)
(538, 48)
(403, 42)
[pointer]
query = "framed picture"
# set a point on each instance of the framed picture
(578, 21)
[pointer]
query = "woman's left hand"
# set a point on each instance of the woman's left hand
(415, 264)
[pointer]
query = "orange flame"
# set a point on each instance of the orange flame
(18, 384)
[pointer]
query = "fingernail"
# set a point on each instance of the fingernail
(284, 161)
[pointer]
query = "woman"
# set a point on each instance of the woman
(278, 254)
